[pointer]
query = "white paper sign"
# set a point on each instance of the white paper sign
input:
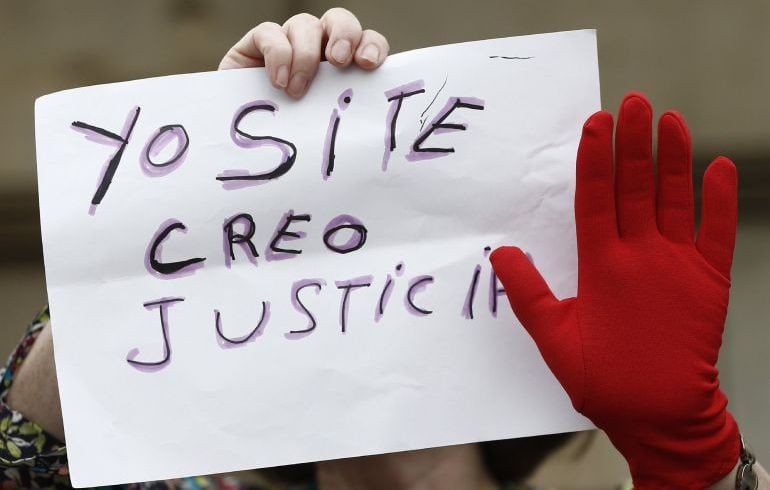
(241, 280)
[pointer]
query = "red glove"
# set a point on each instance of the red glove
(636, 349)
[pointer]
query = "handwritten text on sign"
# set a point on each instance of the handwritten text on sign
(302, 280)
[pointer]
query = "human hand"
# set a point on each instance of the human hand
(291, 52)
(636, 349)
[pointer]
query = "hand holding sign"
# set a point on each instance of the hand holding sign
(291, 53)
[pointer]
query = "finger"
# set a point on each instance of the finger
(719, 215)
(531, 299)
(594, 189)
(675, 206)
(344, 33)
(305, 35)
(634, 185)
(372, 50)
(265, 45)
(551, 323)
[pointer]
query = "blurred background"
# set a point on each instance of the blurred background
(709, 59)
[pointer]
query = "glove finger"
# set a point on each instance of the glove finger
(550, 322)
(531, 299)
(634, 184)
(719, 215)
(676, 213)
(595, 217)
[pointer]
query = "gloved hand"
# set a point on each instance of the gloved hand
(636, 348)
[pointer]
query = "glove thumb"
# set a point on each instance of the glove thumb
(550, 322)
(531, 299)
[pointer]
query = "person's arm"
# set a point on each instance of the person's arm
(636, 349)
(29, 454)
(35, 391)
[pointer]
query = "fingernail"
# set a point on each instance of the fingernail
(371, 53)
(341, 51)
(297, 85)
(282, 77)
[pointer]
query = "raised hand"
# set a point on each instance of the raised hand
(636, 349)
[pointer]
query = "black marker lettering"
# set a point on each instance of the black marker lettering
(249, 336)
(157, 143)
(300, 306)
(386, 291)
(347, 287)
(416, 285)
(238, 178)
(467, 311)
(343, 222)
(343, 101)
(384, 298)
(439, 126)
(112, 165)
(495, 291)
(163, 305)
(231, 237)
(152, 258)
(396, 98)
(283, 232)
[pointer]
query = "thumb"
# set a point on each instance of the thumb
(531, 299)
(550, 322)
